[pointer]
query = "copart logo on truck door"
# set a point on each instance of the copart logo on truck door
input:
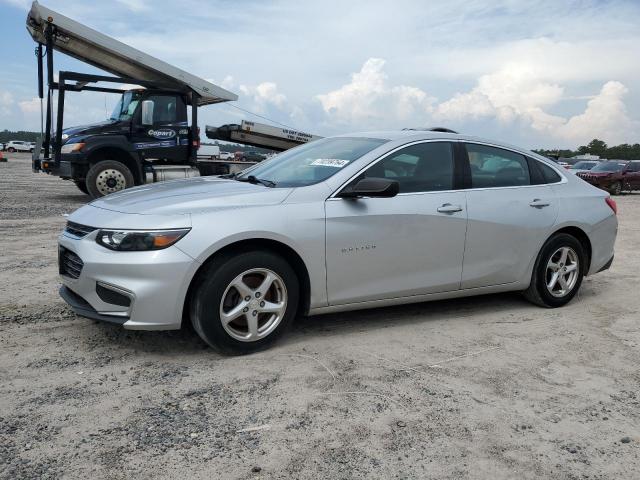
(162, 133)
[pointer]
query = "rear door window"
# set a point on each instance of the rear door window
(496, 167)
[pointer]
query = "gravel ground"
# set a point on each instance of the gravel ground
(487, 387)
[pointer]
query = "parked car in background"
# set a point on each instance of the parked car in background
(583, 166)
(249, 156)
(342, 223)
(226, 156)
(565, 165)
(20, 146)
(614, 176)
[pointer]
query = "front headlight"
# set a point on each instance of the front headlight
(139, 240)
(71, 147)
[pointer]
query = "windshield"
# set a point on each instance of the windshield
(312, 162)
(126, 106)
(609, 167)
(583, 166)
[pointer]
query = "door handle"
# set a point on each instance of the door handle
(537, 203)
(448, 208)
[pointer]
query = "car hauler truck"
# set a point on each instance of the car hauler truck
(148, 136)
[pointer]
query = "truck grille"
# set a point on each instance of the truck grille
(69, 263)
(78, 230)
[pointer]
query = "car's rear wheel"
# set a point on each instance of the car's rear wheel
(616, 188)
(558, 272)
(244, 302)
(108, 176)
(11, 149)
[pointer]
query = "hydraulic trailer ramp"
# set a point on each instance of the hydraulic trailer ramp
(260, 135)
(48, 27)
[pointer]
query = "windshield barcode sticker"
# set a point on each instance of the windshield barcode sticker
(330, 162)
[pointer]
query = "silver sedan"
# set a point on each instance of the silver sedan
(348, 222)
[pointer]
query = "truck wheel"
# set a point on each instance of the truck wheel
(82, 186)
(108, 176)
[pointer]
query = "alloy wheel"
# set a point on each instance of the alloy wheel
(562, 272)
(253, 304)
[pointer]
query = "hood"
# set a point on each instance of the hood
(191, 195)
(106, 126)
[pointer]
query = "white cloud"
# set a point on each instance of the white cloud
(605, 117)
(30, 106)
(264, 95)
(6, 102)
(369, 101)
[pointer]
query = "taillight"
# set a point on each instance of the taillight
(612, 204)
(196, 141)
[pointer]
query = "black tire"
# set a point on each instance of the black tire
(616, 188)
(11, 150)
(538, 292)
(95, 179)
(31, 150)
(82, 186)
(215, 280)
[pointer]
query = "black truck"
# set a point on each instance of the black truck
(149, 126)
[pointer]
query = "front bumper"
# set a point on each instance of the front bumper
(155, 283)
(46, 165)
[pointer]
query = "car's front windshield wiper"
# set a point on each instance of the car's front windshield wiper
(255, 180)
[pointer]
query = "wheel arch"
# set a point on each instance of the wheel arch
(282, 249)
(118, 154)
(584, 240)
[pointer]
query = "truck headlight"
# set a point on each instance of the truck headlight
(139, 240)
(71, 147)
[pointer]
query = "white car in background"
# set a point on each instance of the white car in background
(20, 146)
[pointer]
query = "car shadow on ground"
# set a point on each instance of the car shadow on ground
(186, 341)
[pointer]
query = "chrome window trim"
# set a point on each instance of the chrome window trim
(563, 178)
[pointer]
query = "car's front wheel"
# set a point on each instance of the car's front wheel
(616, 188)
(11, 149)
(244, 301)
(558, 272)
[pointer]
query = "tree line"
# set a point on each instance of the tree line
(624, 151)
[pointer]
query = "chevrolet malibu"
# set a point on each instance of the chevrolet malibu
(343, 223)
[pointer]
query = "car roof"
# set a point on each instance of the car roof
(417, 135)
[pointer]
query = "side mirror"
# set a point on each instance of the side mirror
(147, 112)
(372, 187)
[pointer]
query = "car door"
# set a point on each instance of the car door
(632, 176)
(410, 244)
(168, 137)
(510, 215)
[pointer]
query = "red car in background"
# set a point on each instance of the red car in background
(614, 176)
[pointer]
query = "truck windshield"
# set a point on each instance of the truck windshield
(312, 162)
(126, 106)
(609, 167)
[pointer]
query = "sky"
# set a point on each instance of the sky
(544, 73)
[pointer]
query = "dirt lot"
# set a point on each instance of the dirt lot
(487, 387)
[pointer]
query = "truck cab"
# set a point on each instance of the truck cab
(147, 127)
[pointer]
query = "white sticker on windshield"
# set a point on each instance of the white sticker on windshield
(330, 162)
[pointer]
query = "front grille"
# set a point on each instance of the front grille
(69, 263)
(78, 230)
